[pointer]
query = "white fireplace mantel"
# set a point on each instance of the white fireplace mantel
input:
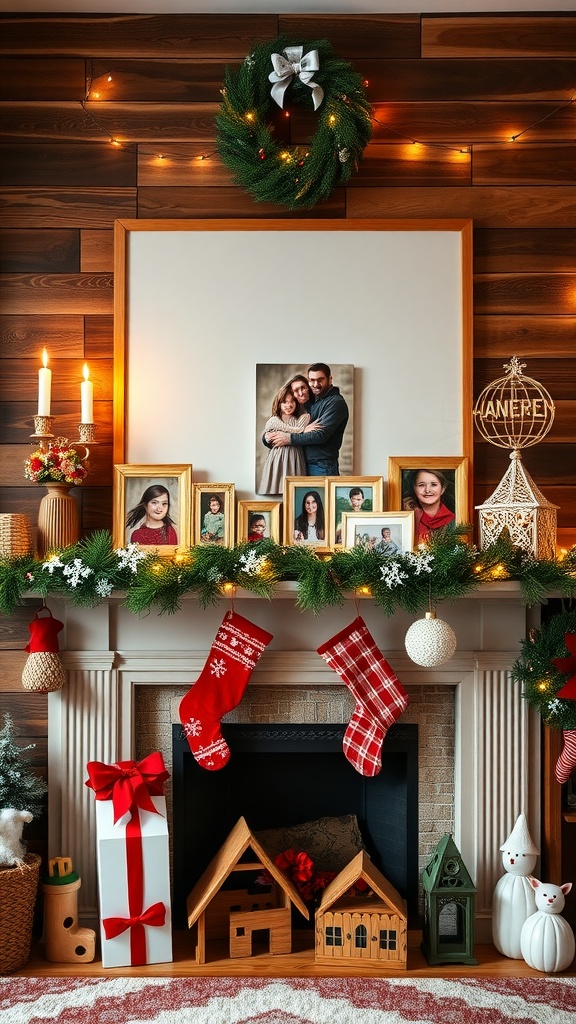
(109, 653)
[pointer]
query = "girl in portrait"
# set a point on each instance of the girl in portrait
(256, 527)
(427, 498)
(213, 523)
(152, 518)
(309, 527)
(289, 415)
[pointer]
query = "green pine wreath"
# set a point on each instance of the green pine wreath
(296, 176)
(540, 678)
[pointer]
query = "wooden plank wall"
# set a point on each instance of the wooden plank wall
(448, 91)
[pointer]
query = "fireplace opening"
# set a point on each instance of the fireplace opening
(284, 775)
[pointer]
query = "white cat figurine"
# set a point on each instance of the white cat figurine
(513, 901)
(547, 939)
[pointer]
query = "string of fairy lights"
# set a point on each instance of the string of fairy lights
(99, 88)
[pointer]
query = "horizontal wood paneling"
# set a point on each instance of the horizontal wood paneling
(466, 123)
(96, 251)
(12, 458)
(28, 251)
(488, 207)
(146, 35)
(496, 35)
(127, 122)
(27, 335)
(557, 375)
(218, 202)
(549, 337)
(14, 633)
(99, 340)
(525, 293)
(21, 379)
(56, 293)
(376, 35)
(91, 164)
(524, 250)
(522, 162)
(66, 208)
(42, 78)
(17, 418)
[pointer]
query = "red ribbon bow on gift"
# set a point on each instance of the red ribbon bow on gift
(129, 784)
(155, 917)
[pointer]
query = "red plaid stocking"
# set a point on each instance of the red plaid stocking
(380, 697)
(238, 646)
(566, 763)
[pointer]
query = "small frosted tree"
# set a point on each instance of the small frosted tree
(20, 788)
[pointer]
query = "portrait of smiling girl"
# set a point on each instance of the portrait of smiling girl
(152, 519)
(430, 496)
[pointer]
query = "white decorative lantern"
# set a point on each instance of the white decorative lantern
(547, 939)
(514, 901)
(516, 412)
(430, 641)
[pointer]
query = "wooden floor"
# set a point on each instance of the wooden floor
(300, 964)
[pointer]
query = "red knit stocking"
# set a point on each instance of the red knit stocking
(566, 763)
(237, 648)
(380, 697)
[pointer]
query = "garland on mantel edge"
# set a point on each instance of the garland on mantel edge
(448, 568)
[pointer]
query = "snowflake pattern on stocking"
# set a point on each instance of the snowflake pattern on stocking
(193, 727)
(218, 667)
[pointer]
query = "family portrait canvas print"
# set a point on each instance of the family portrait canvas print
(304, 422)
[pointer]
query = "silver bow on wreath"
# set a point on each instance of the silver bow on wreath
(294, 64)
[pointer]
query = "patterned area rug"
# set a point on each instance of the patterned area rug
(547, 1000)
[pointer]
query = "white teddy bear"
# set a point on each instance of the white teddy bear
(12, 851)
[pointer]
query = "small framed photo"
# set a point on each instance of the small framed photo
(351, 494)
(306, 511)
(258, 520)
(435, 489)
(214, 514)
(388, 533)
(152, 507)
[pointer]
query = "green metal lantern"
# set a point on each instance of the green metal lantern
(449, 895)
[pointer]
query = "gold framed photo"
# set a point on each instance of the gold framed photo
(306, 511)
(151, 507)
(388, 533)
(258, 520)
(435, 489)
(351, 494)
(214, 514)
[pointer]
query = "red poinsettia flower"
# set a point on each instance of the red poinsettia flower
(296, 864)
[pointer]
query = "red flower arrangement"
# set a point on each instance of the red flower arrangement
(59, 463)
(300, 869)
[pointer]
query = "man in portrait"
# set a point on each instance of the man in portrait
(327, 408)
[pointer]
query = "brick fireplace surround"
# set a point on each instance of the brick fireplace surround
(479, 752)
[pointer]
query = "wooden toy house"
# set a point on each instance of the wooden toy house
(221, 907)
(361, 924)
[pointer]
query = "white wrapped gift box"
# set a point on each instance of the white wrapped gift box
(112, 863)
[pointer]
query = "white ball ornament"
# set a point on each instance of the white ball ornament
(430, 641)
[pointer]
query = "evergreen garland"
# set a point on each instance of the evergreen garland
(541, 680)
(449, 568)
(20, 788)
(296, 176)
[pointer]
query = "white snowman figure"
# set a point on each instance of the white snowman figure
(514, 900)
(547, 939)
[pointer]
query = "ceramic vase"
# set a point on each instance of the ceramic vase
(58, 519)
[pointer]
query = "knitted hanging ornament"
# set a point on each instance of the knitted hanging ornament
(380, 697)
(43, 671)
(238, 646)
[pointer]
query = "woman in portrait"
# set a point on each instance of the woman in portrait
(153, 514)
(427, 488)
(288, 414)
(309, 526)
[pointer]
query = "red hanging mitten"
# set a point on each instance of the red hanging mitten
(380, 697)
(43, 671)
(238, 646)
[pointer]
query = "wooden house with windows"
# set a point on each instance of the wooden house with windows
(225, 904)
(362, 919)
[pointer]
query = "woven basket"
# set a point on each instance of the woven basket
(18, 889)
(43, 672)
(15, 535)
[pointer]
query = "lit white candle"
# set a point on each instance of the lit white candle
(44, 387)
(87, 397)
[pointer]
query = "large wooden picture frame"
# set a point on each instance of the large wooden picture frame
(191, 294)
(132, 484)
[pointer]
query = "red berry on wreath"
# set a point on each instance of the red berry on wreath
(261, 154)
